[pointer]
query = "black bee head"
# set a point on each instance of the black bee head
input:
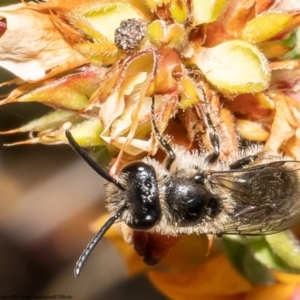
(142, 196)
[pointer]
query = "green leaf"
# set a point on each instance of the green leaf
(264, 253)
(245, 262)
(249, 255)
(287, 248)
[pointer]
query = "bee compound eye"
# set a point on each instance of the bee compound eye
(142, 196)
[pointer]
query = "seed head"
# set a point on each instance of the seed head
(130, 33)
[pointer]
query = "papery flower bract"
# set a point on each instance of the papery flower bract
(32, 45)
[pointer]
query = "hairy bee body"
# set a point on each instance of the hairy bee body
(253, 193)
(196, 197)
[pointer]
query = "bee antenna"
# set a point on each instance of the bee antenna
(165, 145)
(93, 243)
(102, 172)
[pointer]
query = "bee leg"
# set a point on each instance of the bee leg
(212, 133)
(243, 162)
(214, 139)
(164, 144)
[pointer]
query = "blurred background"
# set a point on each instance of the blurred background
(48, 198)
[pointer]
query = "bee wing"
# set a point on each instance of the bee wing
(266, 198)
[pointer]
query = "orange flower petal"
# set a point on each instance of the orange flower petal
(276, 291)
(214, 279)
(287, 278)
(274, 49)
(187, 254)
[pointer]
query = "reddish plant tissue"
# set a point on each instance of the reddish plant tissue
(3, 26)
(152, 246)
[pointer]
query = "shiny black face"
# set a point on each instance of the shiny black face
(187, 200)
(143, 195)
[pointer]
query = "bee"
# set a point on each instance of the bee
(195, 193)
